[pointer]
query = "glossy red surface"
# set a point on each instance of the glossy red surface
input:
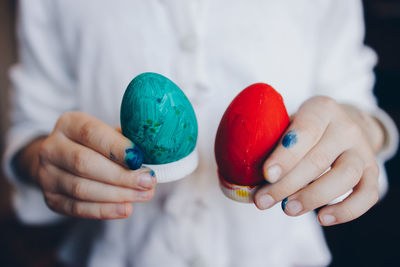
(248, 131)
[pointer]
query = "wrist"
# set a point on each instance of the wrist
(26, 161)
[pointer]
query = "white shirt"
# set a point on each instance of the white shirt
(82, 54)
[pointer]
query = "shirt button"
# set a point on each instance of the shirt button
(189, 43)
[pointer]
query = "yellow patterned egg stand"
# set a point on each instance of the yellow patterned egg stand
(240, 193)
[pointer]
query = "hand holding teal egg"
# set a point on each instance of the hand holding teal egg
(159, 119)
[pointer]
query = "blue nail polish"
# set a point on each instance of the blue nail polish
(134, 157)
(290, 139)
(152, 173)
(283, 204)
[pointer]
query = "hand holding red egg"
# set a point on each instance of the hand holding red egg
(323, 134)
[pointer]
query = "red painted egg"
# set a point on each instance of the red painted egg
(248, 131)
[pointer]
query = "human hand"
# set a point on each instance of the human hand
(324, 134)
(83, 170)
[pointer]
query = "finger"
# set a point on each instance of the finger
(309, 124)
(84, 162)
(364, 196)
(344, 175)
(89, 210)
(89, 190)
(314, 163)
(304, 132)
(101, 137)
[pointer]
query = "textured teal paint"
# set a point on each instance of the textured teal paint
(134, 157)
(157, 116)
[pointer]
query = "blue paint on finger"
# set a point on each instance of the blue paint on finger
(290, 139)
(134, 157)
(283, 204)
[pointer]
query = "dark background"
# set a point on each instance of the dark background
(372, 240)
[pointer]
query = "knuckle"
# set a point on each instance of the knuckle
(353, 171)
(150, 194)
(313, 132)
(348, 214)
(85, 131)
(373, 169)
(79, 189)
(281, 190)
(102, 213)
(121, 196)
(48, 195)
(67, 118)
(45, 150)
(309, 127)
(50, 200)
(79, 161)
(41, 175)
(122, 179)
(374, 195)
(51, 204)
(127, 194)
(42, 170)
(132, 180)
(143, 196)
(129, 210)
(353, 131)
(76, 209)
(319, 160)
(327, 102)
(63, 119)
(314, 197)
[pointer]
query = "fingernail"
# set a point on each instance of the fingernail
(327, 219)
(265, 201)
(146, 180)
(273, 173)
(283, 204)
(121, 209)
(134, 157)
(293, 207)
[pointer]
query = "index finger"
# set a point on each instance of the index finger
(304, 132)
(101, 137)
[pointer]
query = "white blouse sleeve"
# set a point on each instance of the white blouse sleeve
(345, 65)
(345, 69)
(42, 89)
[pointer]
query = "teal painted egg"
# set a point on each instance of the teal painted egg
(158, 117)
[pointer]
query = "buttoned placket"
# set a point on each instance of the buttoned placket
(188, 21)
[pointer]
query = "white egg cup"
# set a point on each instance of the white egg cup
(176, 170)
